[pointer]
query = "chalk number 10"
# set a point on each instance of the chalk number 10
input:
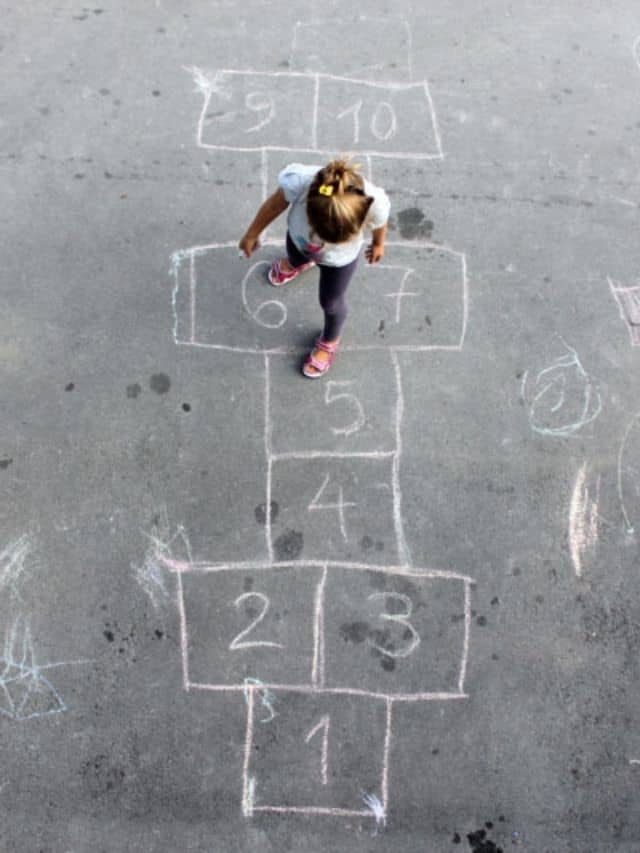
(383, 123)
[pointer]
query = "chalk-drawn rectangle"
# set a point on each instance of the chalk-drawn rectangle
(319, 754)
(335, 509)
(249, 111)
(415, 299)
(384, 119)
(347, 415)
(404, 635)
(243, 626)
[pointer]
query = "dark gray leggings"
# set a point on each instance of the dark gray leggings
(333, 287)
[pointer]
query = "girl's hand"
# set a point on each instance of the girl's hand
(374, 253)
(248, 245)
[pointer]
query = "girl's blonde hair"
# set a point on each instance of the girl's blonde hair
(337, 204)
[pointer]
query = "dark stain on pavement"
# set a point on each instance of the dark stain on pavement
(413, 225)
(160, 383)
(260, 512)
(289, 545)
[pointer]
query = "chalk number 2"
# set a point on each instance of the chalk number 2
(239, 641)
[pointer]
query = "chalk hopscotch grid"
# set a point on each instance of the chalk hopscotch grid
(209, 85)
(187, 257)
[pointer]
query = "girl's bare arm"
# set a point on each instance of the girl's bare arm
(267, 212)
(375, 251)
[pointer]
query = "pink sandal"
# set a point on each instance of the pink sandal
(277, 276)
(320, 367)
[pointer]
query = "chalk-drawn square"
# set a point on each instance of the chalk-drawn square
(243, 624)
(405, 635)
(335, 509)
(223, 301)
(386, 119)
(415, 299)
(319, 754)
(314, 47)
(248, 110)
(348, 414)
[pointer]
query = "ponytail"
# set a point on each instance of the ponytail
(337, 204)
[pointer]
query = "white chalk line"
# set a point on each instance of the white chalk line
(346, 347)
(305, 75)
(248, 787)
(332, 454)
(318, 667)
(192, 293)
(467, 636)
(313, 810)
(268, 428)
(316, 152)
(179, 255)
(185, 567)
(310, 690)
(403, 548)
(184, 634)
(623, 446)
(465, 302)
(385, 757)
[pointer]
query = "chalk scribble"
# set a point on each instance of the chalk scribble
(563, 399)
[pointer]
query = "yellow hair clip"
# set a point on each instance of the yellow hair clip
(325, 189)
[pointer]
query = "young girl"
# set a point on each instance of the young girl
(329, 211)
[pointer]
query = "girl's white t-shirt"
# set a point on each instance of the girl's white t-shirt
(294, 180)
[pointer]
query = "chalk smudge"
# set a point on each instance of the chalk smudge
(583, 519)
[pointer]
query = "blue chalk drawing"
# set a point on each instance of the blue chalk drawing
(25, 693)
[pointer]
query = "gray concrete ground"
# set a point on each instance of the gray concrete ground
(403, 600)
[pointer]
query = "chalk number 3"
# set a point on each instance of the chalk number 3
(413, 640)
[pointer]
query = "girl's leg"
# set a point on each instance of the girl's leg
(333, 286)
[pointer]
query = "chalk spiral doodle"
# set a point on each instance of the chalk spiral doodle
(563, 397)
